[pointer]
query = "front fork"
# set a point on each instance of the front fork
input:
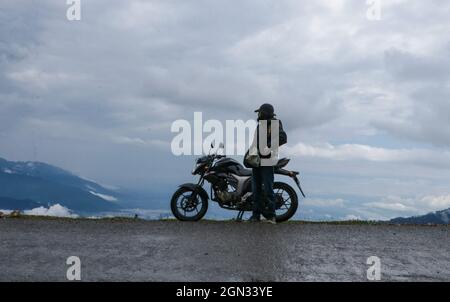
(193, 196)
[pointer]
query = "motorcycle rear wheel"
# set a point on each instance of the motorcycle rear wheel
(286, 202)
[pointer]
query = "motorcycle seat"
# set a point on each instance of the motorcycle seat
(245, 172)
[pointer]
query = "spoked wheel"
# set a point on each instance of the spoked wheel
(187, 205)
(286, 200)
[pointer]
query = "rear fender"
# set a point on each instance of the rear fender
(293, 175)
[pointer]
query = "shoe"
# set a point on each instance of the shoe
(271, 220)
(254, 219)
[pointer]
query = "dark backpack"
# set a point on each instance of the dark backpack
(282, 136)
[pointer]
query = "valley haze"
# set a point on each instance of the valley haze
(41, 189)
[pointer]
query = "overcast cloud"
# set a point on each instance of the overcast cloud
(366, 104)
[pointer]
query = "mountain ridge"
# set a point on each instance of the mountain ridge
(438, 217)
(44, 184)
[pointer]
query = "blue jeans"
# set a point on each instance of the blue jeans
(262, 187)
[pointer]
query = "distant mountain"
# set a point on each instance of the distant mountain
(439, 217)
(26, 183)
(7, 203)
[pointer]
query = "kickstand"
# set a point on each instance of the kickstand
(239, 216)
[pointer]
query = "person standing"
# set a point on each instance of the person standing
(264, 155)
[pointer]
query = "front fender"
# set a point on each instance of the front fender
(196, 188)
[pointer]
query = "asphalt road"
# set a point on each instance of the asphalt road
(37, 249)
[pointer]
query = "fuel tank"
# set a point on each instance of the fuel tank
(229, 165)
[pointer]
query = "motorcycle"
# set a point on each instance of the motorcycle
(230, 187)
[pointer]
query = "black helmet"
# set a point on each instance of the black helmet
(266, 110)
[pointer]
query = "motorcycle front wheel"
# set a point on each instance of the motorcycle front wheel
(188, 205)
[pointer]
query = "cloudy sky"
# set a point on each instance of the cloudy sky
(366, 104)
